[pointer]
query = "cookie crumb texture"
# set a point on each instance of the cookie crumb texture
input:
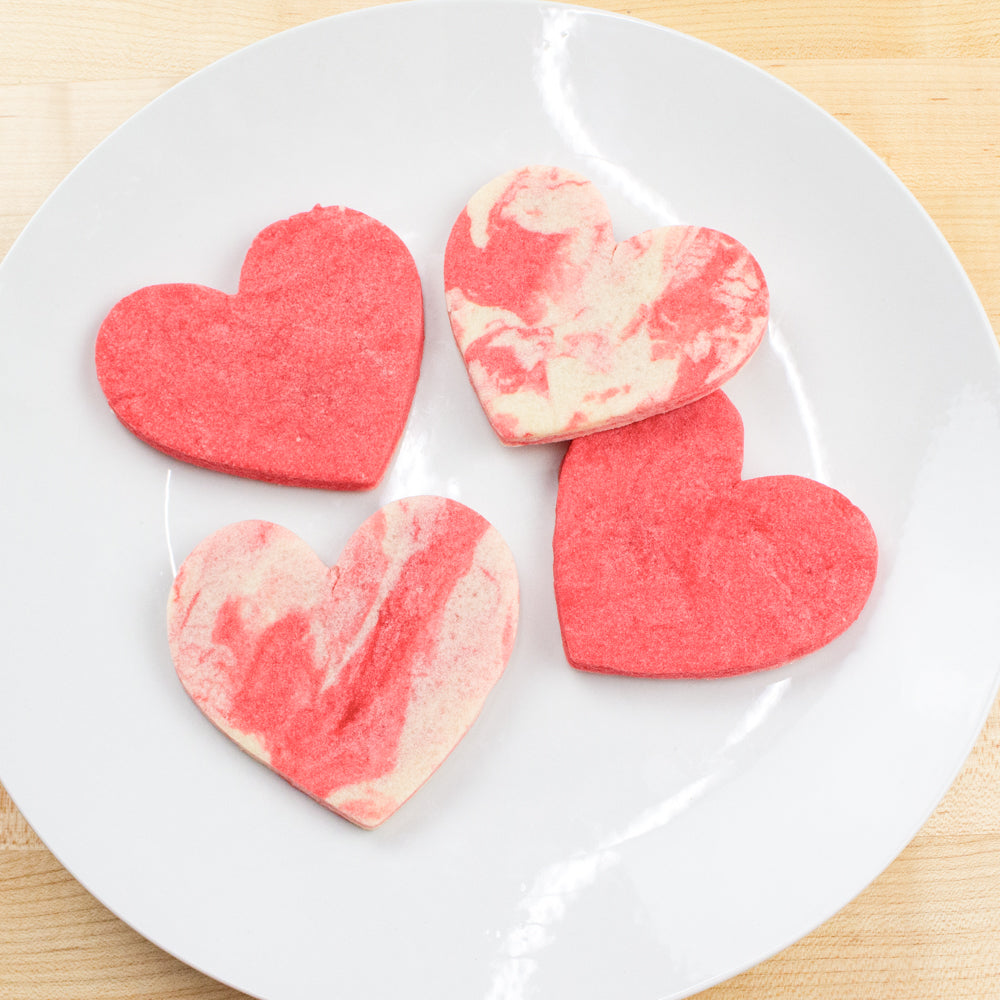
(565, 332)
(668, 564)
(352, 682)
(304, 377)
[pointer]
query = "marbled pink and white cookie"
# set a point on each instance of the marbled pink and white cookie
(352, 682)
(565, 332)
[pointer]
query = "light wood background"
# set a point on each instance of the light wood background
(917, 80)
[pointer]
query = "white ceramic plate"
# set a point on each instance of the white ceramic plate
(592, 837)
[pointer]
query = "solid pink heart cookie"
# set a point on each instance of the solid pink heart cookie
(353, 683)
(565, 332)
(305, 376)
(668, 564)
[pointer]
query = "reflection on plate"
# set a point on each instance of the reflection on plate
(592, 836)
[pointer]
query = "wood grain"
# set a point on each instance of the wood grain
(55, 41)
(918, 82)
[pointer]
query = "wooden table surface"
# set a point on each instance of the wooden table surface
(918, 82)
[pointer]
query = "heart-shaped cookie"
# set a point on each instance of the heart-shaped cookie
(305, 376)
(565, 332)
(668, 564)
(353, 683)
